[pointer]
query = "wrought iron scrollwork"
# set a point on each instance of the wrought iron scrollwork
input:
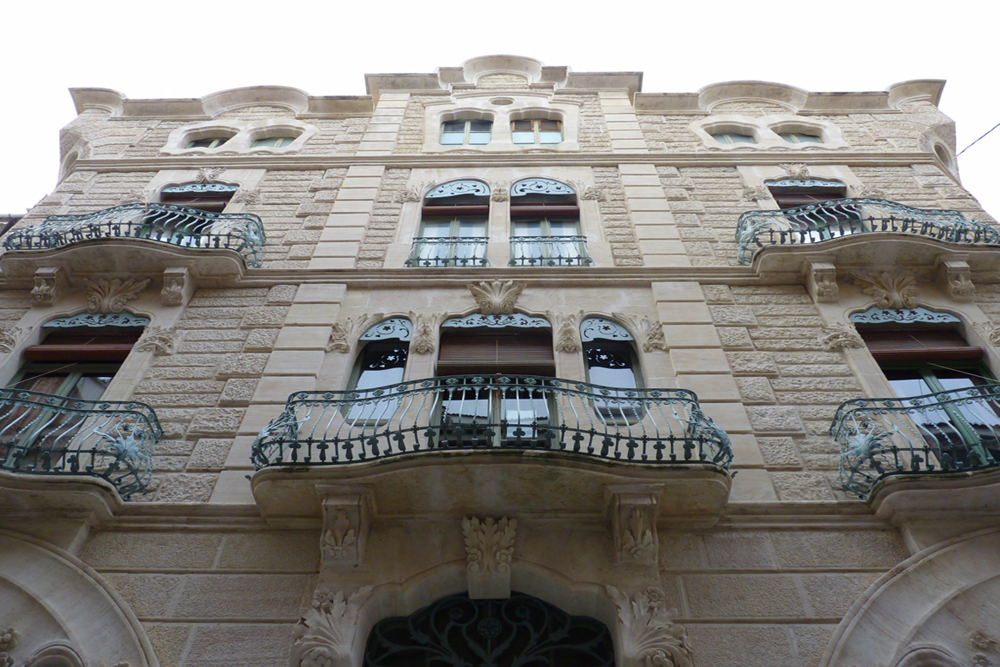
(875, 315)
(98, 320)
(519, 631)
(540, 186)
(459, 188)
(595, 328)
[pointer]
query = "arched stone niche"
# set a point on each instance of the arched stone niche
(64, 613)
(936, 609)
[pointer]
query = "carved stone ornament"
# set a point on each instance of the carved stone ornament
(889, 290)
(567, 330)
(489, 546)
(990, 332)
(983, 642)
(956, 275)
(6, 659)
(425, 329)
(500, 191)
(346, 519)
(407, 194)
(8, 342)
(343, 334)
(869, 191)
(795, 170)
(208, 174)
(821, 282)
(9, 639)
(633, 522)
(324, 635)
(110, 296)
(175, 283)
(497, 297)
(47, 286)
(248, 197)
(650, 332)
(839, 336)
(755, 193)
(134, 197)
(158, 340)
(593, 193)
(649, 637)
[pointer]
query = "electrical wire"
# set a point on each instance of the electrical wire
(974, 142)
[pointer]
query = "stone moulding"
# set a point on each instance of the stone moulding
(489, 546)
(324, 635)
(496, 298)
(649, 638)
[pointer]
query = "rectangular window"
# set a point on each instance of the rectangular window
(545, 242)
(450, 242)
(536, 131)
(470, 132)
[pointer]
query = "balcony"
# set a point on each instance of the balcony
(43, 434)
(948, 432)
(513, 442)
(838, 218)
(549, 251)
(177, 226)
(448, 251)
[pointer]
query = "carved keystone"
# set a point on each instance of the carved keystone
(489, 546)
(346, 520)
(821, 281)
(633, 523)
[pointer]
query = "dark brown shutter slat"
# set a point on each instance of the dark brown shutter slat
(100, 352)
(919, 345)
(466, 209)
(543, 210)
(528, 353)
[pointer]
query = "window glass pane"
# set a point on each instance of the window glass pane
(90, 388)
(451, 139)
(550, 137)
(478, 138)
(523, 137)
(480, 126)
(436, 229)
(521, 126)
(563, 228)
(548, 125)
(208, 143)
(453, 126)
(799, 138)
(736, 138)
(468, 228)
(269, 142)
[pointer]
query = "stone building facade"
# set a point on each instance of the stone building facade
(541, 265)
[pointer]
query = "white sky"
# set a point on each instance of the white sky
(189, 49)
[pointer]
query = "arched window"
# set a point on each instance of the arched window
(940, 380)
(453, 226)
(816, 209)
(545, 225)
(538, 131)
(381, 363)
(611, 362)
(521, 630)
(473, 132)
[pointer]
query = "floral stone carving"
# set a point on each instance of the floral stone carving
(839, 336)
(8, 341)
(175, 281)
(424, 332)
(9, 639)
(889, 290)
(649, 637)
(346, 518)
(990, 332)
(324, 635)
(208, 174)
(158, 340)
(110, 296)
(496, 298)
(650, 332)
(47, 283)
(567, 330)
(755, 193)
(795, 170)
(489, 546)
(342, 335)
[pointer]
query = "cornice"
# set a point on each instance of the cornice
(308, 162)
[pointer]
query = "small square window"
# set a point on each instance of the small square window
(469, 132)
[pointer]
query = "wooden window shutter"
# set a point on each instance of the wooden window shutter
(521, 351)
(79, 347)
(918, 345)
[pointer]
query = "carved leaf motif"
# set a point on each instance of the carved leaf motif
(489, 544)
(424, 331)
(338, 339)
(403, 195)
(158, 340)
(343, 335)
(795, 170)
(594, 194)
(567, 330)
(339, 539)
(9, 639)
(990, 331)
(500, 191)
(638, 539)
(8, 341)
(649, 637)
(961, 286)
(248, 197)
(110, 296)
(497, 297)
(839, 336)
(325, 633)
(889, 290)
(755, 193)
(650, 332)
(208, 174)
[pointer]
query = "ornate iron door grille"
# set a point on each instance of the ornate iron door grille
(521, 631)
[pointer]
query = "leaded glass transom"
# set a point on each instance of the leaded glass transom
(459, 188)
(98, 320)
(876, 315)
(516, 320)
(396, 328)
(540, 186)
(596, 328)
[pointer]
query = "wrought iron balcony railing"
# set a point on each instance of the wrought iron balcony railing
(831, 219)
(549, 251)
(512, 412)
(951, 431)
(56, 435)
(449, 251)
(164, 223)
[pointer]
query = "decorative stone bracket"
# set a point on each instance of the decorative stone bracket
(633, 523)
(955, 277)
(648, 635)
(489, 546)
(821, 281)
(497, 297)
(178, 286)
(346, 521)
(49, 285)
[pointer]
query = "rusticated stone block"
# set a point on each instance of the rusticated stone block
(178, 386)
(279, 552)
(752, 363)
(146, 594)
(811, 641)
(830, 595)
(717, 293)
(755, 390)
(214, 645)
(779, 452)
(151, 550)
(264, 316)
(739, 550)
(261, 340)
(282, 294)
(742, 596)
(241, 595)
(238, 391)
(838, 549)
(210, 454)
(216, 421)
(169, 640)
(242, 365)
(792, 486)
(735, 338)
(186, 488)
(727, 315)
(721, 645)
(773, 418)
(681, 551)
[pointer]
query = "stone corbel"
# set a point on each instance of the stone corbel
(347, 516)
(633, 523)
(50, 283)
(956, 278)
(489, 547)
(177, 287)
(821, 281)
